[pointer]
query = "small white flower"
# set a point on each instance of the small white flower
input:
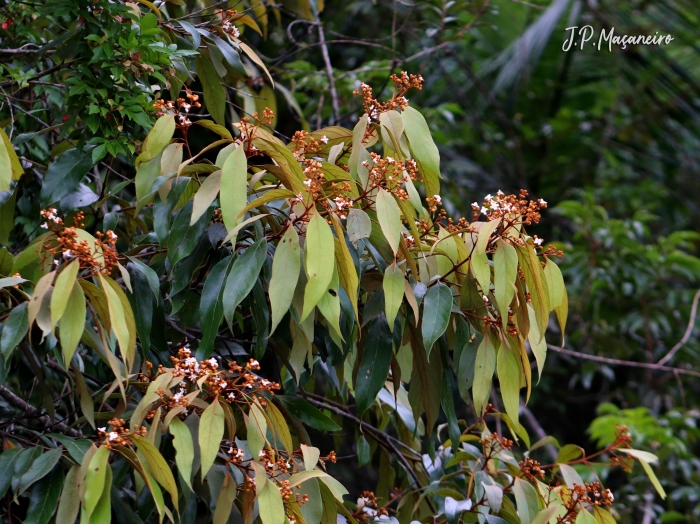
(265, 382)
(56, 262)
(44, 226)
(223, 384)
(390, 160)
(212, 361)
(249, 386)
(484, 211)
(261, 454)
(113, 435)
(542, 202)
(254, 363)
(102, 430)
(324, 139)
(236, 32)
(437, 199)
(67, 254)
(485, 298)
(232, 395)
(500, 193)
(488, 197)
(307, 182)
(538, 241)
(475, 205)
(177, 397)
(231, 450)
(270, 464)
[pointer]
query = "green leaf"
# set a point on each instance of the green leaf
(86, 400)
(146, 175)
(536, 284)
(63, 289)
(63, 175)
(568, 453)
(256, 424)
(308, 414)
(69, 503)
(75, 447)
(10, 168)
(224, 502)
(214, 94)
(358, 134)
(424, 150)
(216, 128)
(570, 475)
(389, 216)
(8, 460)
(184, 447)
(14, 330)
(118, 317)
(183, 237)
(359, 225)
(544, 516)
(234, 188)
(211, 432)
(479, 262)
(205, 196)
(320, 262)
(584, 517)
(526, 499)
(508, 367)
(157, 467)
(393, 285)
(505, 271)
(95, 480)
(103, 510)
(211, 308)
(484, 367)
(158, 138)
(437, 306)
(375, 365)
(270, 504)
(242, 277)
(602, 516)
(44, 499)
(39, 468)
(72, 322)
(286, 265)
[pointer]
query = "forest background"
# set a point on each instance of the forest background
(611, 140)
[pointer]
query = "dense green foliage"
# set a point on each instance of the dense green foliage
(608, 138)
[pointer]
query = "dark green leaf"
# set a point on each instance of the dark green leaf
(39, 468)
(211, 308)
(44, 499)
(64, 175)
(437, 306)
(14, 329)
(308, 414)
(375, 365)
(242, 277)
(214, 94)
(183, 238)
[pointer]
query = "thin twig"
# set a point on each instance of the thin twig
(329, 71)
(688, 331)
(628, 363)
(32, 412)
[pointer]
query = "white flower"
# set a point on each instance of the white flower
(223, 384)
(261, 454)
(113, 435)
(232, 395)
(67, 254)
(265, 382)
(488, 197)
(390, 160)
(538, 241)
(437, 199)
(486, 299)
(500, 193)
(484, 211)
(102, 430)
(177, 397)
(44, 226)
(231, 450)
(542, 202)
(324, 139)
(254, 363)
(236, 32)
(270, 464)
(239, 453)
(475, 205)
(249, 386)
(307, 182)
(212, 361)
(55, 262)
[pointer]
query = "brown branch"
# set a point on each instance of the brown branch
(628, 363)
(688, 331)
(31, 411)
(329, 71)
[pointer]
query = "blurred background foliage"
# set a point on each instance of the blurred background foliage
(609, 139)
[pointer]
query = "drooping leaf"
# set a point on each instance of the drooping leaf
(375, 365)
(211, 307)
(286, 265)
(257, 428)
(62, 290)
(242, 277)
(214, 93)
(359, 225)
(393, 285)
(224, 502)
(270, 503)
(95, 479)
(389, 216)
(211, 432)
(423, 148)
(319, 262)
(69, 503)
(234, 188)
(479, 262)
(307, 413)
(508, 367)
(184, 449)
(39, 469)
(158, 138)
(158, 467)
(43, 500)
(484, 367)
(437, 306)
(14, 329)
(505, 271)
(64, 175)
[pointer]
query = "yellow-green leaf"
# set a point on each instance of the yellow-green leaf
(479, 261)
(424, 150)
(122, 319)
(256, 424)
(234, 188)
(63, 289)
(72, 322)
(211, 431)
(69, 503)
(505, 271)
(157, 466)
(95, 479)
(184, 448)
(10, 167)
(320, 261)
(270, 503)
(389, 216)
(484, 367)
(393, 286)
(224, 502)
(508, 366)
(205, 196)
(286, 265)
(158, 138)
(536, 284)
(602, 516)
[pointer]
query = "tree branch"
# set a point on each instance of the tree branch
(329, 71)
(688, 331)
(30, 411)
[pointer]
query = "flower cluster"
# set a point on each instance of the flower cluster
(531, 469)
(510, 206)
(181, 107)
(305, 144)
(119, 435)
(402, 83)
(391, 174)
(227, 22)
(368, 508)
(98, 260)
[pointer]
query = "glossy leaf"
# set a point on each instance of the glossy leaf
(393, 285)
(286, 265)
(484, 367)
(64, 175)
(376, 361)
(14, 329)
(424, 150)
(158, 467)
(234, 188)
(389, 216)
(211, 307)
(62, 290)
(319, 262)
(505, 271)
(242, 277)
(211, 432)
(437, 306)
(508, 367)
